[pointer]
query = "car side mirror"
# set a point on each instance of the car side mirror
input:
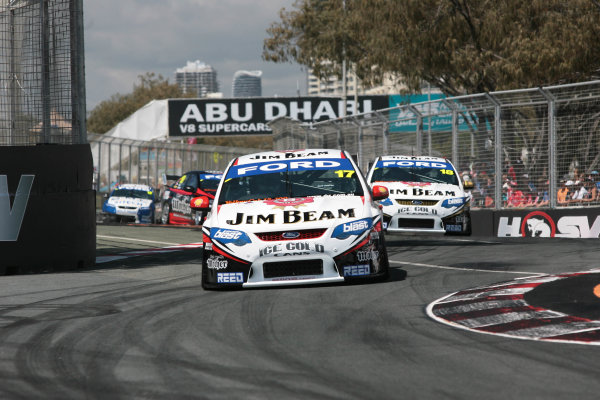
(380, 192)
(198, 203)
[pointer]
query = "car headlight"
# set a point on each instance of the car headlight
(358, 227)
(238, 238)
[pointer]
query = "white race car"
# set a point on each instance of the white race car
(130, 202)
(293, 218)
(426, 195)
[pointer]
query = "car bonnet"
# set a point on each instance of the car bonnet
(290, 213)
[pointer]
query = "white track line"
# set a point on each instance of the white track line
(465, 269)
(136, 240)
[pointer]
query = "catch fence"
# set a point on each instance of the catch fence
(118, 160)
(522, 148)
(42, 83)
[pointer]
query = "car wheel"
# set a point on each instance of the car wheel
(164, 217)
(385, 262)
(468, 228)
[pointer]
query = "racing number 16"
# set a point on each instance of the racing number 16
(344, 173)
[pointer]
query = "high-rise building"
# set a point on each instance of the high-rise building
(333, 86)
(197, 77)
(247, 84)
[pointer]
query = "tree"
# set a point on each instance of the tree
(110, 112)
(460, 46)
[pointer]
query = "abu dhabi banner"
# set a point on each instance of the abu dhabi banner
(239, 116)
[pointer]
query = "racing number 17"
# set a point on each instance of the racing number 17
(344, 173)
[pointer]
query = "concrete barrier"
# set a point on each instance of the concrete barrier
(47, 208)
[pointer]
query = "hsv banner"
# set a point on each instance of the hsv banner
(221, 117)
(565, 223)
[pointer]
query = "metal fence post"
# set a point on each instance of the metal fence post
(497, 151)
(45, 76)
(551, 147)
(419, 133)
(386, 138)
(78, 71)
(455, 159)
(360, 139)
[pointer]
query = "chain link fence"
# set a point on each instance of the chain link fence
(118, 160)
(523, 148)
(42, 88)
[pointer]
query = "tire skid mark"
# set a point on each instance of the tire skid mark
(146, 252)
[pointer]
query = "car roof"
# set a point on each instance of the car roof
(135, 186)
(203, 172)
(418, 158)
(270, 156)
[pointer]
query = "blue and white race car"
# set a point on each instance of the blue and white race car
(293, 218)
(130, 203)
(426, 195)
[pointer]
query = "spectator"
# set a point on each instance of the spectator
(596, 178)
(517, 197)
(487, 191)
(579, 192)
(507, 189)
(562, 197)
(591, 192)
(543, 198)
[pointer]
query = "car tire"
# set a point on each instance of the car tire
(385, 262)
(467, 230)
(164, 216)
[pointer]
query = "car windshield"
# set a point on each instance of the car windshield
(210, 183)
(443, 173)
(333, 177)
(133, 193)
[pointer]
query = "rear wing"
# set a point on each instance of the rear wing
(168, 180)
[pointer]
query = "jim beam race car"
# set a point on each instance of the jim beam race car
(201, 185)
(130, 203)
(426, 195)
(293, 218)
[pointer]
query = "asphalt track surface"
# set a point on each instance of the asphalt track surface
(141, 327)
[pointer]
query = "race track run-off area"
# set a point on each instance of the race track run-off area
(528, 308)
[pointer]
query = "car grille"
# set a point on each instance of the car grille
(415, 223)
(127, 208)
(415, 202)
(292, 268)
(302, 235)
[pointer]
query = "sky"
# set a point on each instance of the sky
(128, 38)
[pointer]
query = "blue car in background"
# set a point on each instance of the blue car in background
(130, 203)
